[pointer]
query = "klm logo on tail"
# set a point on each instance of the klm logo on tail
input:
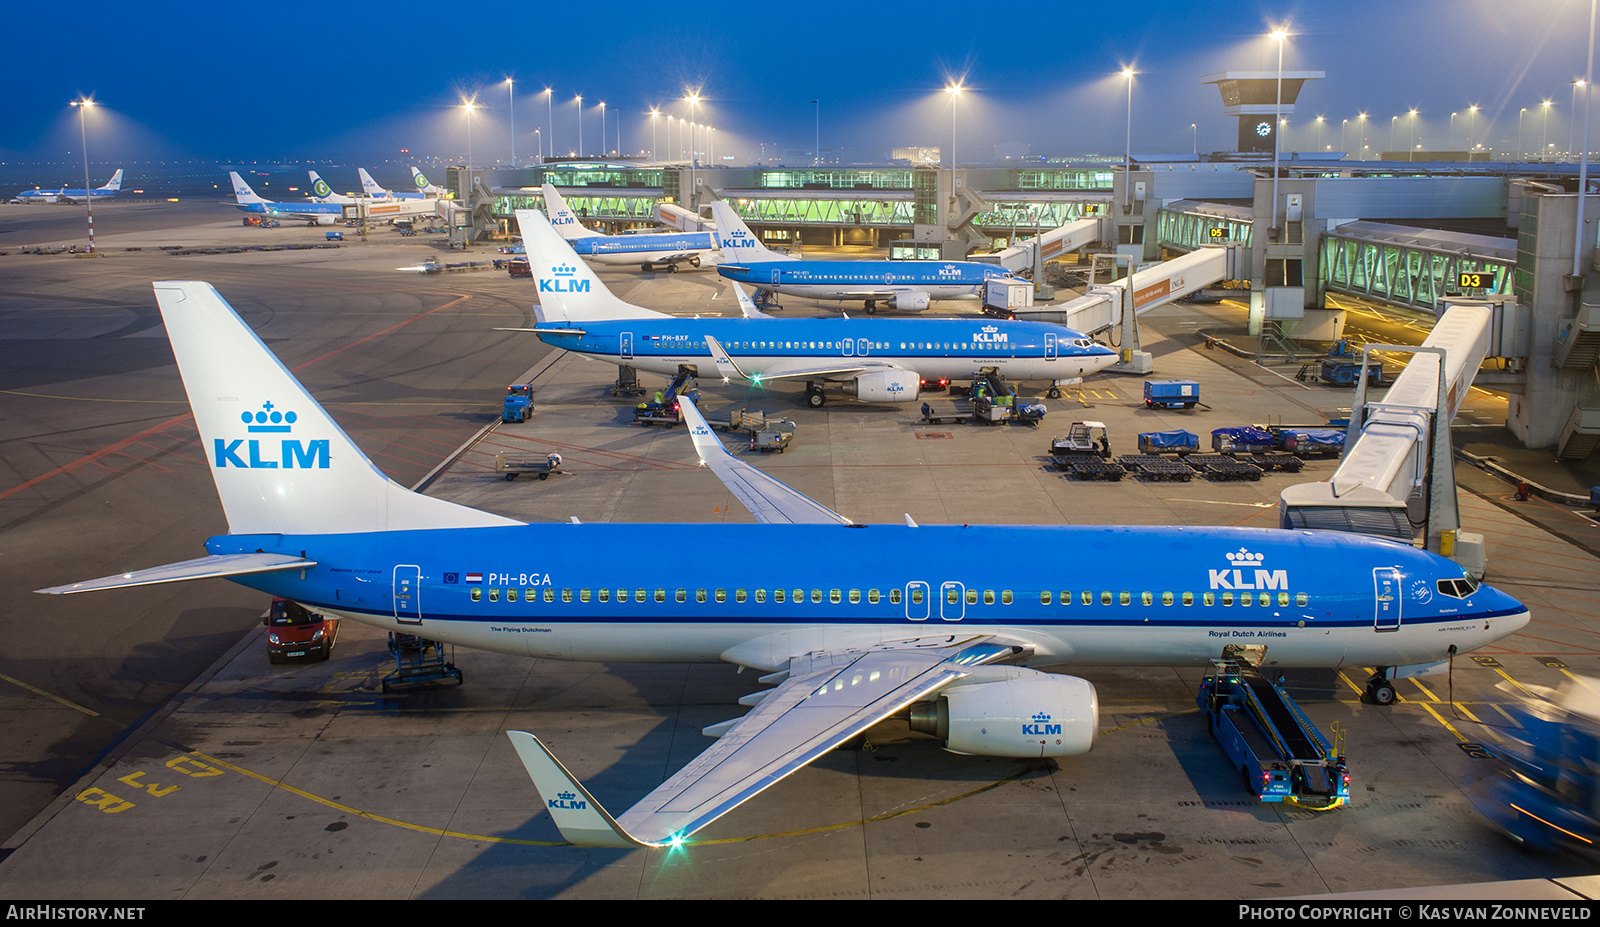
(738, 238)
(565, 281)
(292, 454)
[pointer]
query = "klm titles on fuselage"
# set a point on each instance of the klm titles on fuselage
(291, 453)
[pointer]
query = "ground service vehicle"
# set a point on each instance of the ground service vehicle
(519, 403)
(294, 632)
(1280, 754)
(1171, 394)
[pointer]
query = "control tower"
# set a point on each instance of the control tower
(1251, 96)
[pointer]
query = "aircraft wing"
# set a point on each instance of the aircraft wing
(746, 304)
(202, 568)
(540, 331)
(730, 369)
(769, 500)
(837, 695)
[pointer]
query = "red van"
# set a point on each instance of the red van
(295, 633)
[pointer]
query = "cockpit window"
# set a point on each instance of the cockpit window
(1458, 588)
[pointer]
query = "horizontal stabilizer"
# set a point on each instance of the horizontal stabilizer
(546, 331)
(212, 567)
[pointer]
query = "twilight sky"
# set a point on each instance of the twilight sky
(293, 80)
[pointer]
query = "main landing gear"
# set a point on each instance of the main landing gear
(814, 397)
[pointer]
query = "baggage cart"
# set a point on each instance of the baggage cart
(542, 468)
(774, 437)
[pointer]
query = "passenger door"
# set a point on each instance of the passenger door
(952, 601)
(917, 607)
(1387, 599)
(626, 345)
(407, 594)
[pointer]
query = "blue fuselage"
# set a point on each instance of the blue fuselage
(931, 347)
(1134, 595)
(866, 279)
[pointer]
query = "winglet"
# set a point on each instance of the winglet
(577, 815)
(746, 304)
(705, 443)
(725, 364)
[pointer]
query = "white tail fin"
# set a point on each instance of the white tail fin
(280, 462)
(561, 218)
(737, 243)
(242, 191)
(370, 186)
(115, 183)
(568, 290)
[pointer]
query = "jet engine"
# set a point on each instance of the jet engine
(884, 386)
(1012, 711)
(324, 220)
(911, 302)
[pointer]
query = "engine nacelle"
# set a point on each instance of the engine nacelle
(885, 386)
(1013, 711)
(324, 220)
(911, 302)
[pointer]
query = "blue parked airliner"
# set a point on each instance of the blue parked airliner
(69, 195)
(647, 249)
(876, 360)
(313, 213)
(844, 627)
(908, 286)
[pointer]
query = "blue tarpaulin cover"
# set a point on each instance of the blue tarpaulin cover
(1169, 440)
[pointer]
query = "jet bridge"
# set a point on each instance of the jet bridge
(1047, 246)
(1397, 476)
(1114, 305)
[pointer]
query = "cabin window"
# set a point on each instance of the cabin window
(511, 595)
(494, 595)
(1105, 598)
(1087, 597)
(761, 595)
(583, 595)
(721, 596)
(1208, 599)
(988, 596)
(549, 595)
(1145, 598)
(1265, 599)
(604, 595)
(699, 595)
(639, 595)
(661, 595)
(873, 597)
(1166, 598)
(916, 596)
(855, 597)
(739, 596)
(972, 597)
(1123, 598)
(476, 594)
(1044, 598)
(816, 596)
(1300, 599)
(1005, 597)
(780, 596)
(1227, 598)
(894, 597)
(835, 597)
(682, 595)
(1244, 599)
(566, 595)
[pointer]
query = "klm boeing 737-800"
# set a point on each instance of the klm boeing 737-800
(68, 195)
(846, 640)
(647, 249)
(904, 285)
(877, 360)
(314, 213)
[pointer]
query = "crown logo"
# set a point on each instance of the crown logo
(564, 270)
(990, 328)
(1041, 717)
(1245, 558)
(567, 796)
(269, 419)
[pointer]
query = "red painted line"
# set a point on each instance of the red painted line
(115, 446)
